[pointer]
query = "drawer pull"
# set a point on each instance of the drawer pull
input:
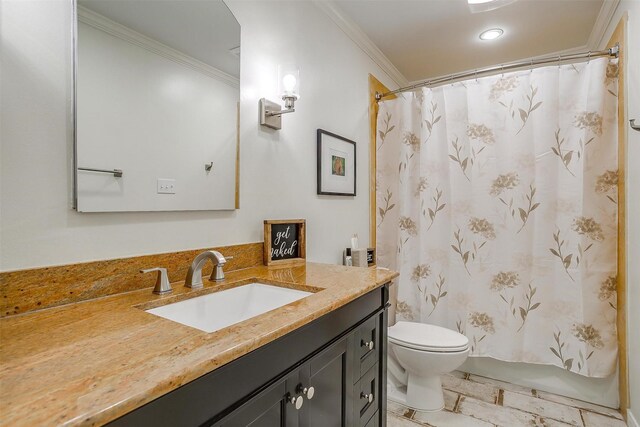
(307, 391)
(296, 401)
(369, 397)
(367, 344)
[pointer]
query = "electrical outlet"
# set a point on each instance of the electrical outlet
(166, 186)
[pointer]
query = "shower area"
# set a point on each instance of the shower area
(497, 201)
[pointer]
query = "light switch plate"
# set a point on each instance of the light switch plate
(166, 186)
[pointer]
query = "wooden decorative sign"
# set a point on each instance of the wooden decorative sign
(284, 242)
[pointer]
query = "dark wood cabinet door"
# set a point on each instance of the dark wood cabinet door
(270, 408)
(330, 375)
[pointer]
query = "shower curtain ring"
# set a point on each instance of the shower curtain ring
(589, 57)
(531, 66)
(475, 72)
(502, 68)
(559, 60)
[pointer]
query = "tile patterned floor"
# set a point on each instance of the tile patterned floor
(474, 401)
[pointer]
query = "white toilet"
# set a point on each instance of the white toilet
(418, 355)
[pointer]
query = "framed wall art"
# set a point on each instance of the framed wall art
(336, 164)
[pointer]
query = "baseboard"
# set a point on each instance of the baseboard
(631, 420)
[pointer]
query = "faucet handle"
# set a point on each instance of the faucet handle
(162, 281)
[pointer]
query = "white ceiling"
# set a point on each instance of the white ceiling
(429, 38)
(204, 30)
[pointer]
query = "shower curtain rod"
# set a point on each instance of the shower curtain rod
(613, 51)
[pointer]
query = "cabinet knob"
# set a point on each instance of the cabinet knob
(369, 397)
(296, 401)
(307, 391)
(367, 344)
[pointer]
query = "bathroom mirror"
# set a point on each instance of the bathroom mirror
(156, 105)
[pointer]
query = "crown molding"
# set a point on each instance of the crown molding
(596, 38)
(355, 33)
(110, 27)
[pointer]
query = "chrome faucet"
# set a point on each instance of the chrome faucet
(194, 275)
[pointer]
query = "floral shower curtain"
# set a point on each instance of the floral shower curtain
(497, 202)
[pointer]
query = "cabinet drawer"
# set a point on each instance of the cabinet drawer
(366, 401)
(366, 345)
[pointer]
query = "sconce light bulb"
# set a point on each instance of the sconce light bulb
(289, 83)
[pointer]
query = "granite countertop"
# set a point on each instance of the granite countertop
(90, 362)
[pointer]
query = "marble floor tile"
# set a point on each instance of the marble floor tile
(475, 401)
(501, 384)
(459, 374)
(394, 420)
(504, 416)
(450, 399)
(485, 392)
(449, 419)
(544, 408)
(579, 404)
(596, 420)
(398, 409)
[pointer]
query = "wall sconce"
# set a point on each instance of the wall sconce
(289, 86)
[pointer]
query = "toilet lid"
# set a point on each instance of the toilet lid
(427, 337)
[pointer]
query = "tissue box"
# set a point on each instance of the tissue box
(361, 257)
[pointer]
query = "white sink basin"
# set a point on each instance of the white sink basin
(216, 311)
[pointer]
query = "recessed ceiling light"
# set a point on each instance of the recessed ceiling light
(491, 34)
(479, 1)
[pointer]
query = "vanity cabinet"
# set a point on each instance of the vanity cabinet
(330, 372)
(312, 395)
(272, 407)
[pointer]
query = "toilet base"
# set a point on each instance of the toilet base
(426, 394)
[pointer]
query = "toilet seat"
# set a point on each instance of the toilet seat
(424, 337)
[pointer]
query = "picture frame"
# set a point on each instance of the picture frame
(285, 242)
(336, 164)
